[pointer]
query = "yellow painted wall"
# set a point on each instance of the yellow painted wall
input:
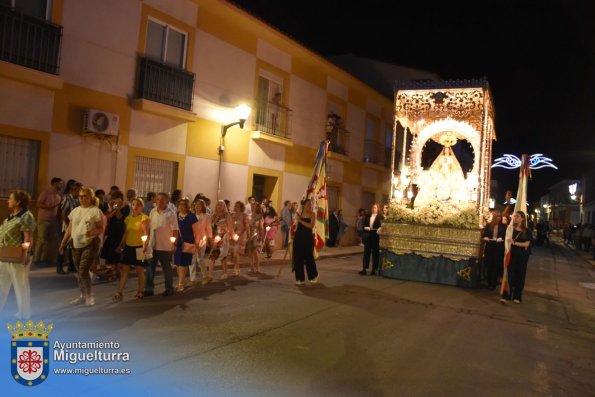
(71, 101)
(203, 140)
(300, 159)
(352, 172)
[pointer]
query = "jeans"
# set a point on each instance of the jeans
(164, 258)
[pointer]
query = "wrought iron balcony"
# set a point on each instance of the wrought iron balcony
(164, 84)
(374, 152)
(273, 118)
(29, 42)
(339, 140)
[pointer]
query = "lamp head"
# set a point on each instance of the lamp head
(242, 112)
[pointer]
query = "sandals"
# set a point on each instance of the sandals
(117, 297)
(139, 296)
(180, 288)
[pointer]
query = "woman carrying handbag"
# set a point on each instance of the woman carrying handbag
(15, 244)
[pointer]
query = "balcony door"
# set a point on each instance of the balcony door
(166, 44)
(269, 99)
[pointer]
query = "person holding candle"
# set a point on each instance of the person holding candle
(15, 243)
(222, 234)
(205, 234)
(134, 248)
(85, 227)
(241, 225)
(255, 236)
(187, 242)
(164, 233)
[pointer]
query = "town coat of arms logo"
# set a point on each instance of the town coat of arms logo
(29, 352)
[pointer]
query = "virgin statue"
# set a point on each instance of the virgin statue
(443, 181)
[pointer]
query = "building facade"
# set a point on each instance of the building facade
(135, 94)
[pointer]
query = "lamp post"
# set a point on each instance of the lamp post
(242, 112)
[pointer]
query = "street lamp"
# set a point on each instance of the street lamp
(242, 112)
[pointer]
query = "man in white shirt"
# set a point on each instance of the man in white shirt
(164, 226)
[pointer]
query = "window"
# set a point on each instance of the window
(166, 44)
(332, 194)
(35, 8)
(19, 159)
(271, 113)
(154, 175)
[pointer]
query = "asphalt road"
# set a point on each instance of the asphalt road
(350, 335)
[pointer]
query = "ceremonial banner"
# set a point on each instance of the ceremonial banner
(521, 205)
(316, 192)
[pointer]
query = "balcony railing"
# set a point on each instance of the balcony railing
(339, 140)
(273, 118)
(374, 152)
(29, 42)
(164, 84)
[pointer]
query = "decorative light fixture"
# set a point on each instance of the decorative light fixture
(536, 161)
(242, 112)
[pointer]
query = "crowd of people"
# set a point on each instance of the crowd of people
(88, 232)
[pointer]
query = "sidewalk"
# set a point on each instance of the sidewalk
(279, 256)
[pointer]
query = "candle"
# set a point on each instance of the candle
(172, 239)
(26, 245)
(236, 237)
(268, 228)
(144, 238)
(217, 239)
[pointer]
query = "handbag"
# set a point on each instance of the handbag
(12, 254)
(188, 248)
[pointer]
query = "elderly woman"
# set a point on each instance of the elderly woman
(85, 228)
(15, 243)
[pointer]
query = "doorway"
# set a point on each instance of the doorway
(265, 186)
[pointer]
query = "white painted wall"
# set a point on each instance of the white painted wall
(350, 202)
(294, 187)
(150, 131)
(25, 106)
(234, 182)
(99, 45)
(224, 76)
(86, 159)
(200, 177)
(183, 10)
(308, 103)
(266, 155)
(273, 55)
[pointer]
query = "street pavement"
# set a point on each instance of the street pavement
(349, 335)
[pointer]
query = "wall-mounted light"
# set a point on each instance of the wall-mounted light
(242, 112)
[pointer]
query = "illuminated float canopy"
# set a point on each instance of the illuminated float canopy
(432, 230)
(444, 112)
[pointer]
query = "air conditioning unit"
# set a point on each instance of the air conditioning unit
(100, 122)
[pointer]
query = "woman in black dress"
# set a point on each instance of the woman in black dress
(303, 245)
(494, 235)
(519, 256)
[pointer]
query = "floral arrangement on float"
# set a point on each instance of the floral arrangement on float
(438, 213)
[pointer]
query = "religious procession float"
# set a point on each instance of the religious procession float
(442, 150)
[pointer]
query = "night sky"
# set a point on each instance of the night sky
(538, 56)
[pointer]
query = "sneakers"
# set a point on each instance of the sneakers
(168, 292)
(90, 301)
(503, 301)
(314, 280)
(78, 301)
(300, 282)
(516, 301)
(362, 272)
